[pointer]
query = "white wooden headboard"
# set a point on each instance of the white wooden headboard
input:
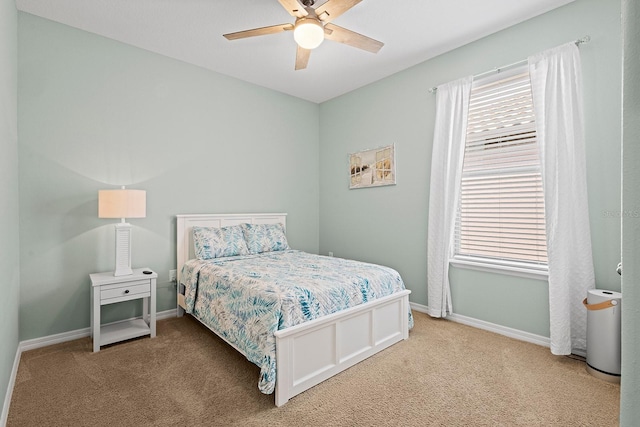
(184, 244)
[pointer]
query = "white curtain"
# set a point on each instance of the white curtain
(556, 79)
(452, 107)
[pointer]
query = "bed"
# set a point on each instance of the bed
(312, 329)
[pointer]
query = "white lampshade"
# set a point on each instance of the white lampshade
(122, 203)
(308, 33)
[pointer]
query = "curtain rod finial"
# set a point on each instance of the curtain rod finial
(585, 39)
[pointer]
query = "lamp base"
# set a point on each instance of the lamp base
(123, 272)
(123, 249)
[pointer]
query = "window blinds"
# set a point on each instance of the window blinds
(501, 206)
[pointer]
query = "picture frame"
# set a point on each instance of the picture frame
(372, 168)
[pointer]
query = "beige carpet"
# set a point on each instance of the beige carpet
(445, 374)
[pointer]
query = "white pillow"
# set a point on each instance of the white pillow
(265, 237)
(214, 242)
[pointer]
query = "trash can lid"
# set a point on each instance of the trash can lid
(598, 295)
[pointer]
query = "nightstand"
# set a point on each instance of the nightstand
(109, 289)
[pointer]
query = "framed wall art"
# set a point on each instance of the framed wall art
(372, 168)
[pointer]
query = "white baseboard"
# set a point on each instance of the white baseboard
(491, 327)
(50, 340)
(419, 307)
(77, 334)
(167, 314)
(34, 343)
(9, 393)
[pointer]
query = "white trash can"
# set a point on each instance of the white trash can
(603, 334)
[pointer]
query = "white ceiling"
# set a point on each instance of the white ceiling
(191, 30)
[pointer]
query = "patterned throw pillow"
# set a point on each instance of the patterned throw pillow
(213, 242)
(265, 237)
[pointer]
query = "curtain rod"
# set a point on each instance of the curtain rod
(578, 42)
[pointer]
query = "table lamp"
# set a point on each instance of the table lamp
(122, 203)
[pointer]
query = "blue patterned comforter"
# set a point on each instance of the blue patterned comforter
(245, 299)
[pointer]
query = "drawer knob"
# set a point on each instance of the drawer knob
(126, 291)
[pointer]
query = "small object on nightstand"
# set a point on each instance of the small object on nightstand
(109, 289)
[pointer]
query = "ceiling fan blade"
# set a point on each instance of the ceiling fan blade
(294, 8)
(351, 38)
(302, 58)
(334, 8)
(263, 31)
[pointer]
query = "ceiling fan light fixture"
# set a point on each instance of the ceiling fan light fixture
(308, 33)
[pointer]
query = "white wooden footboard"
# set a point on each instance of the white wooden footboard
(314, 351)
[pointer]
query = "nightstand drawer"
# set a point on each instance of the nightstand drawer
(129, 289)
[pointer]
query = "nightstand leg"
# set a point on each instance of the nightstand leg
(96, 322)
(91, 314)
(145, 309)
(152, 309)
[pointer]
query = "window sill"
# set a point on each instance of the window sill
(514, 269)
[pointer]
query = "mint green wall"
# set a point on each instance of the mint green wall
(9, 243)
(389, 224)
(630, 387)
(95, 113)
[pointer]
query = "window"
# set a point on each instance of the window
(383, 165)
(500, 217)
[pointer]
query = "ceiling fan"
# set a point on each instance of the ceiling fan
(312, 26)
